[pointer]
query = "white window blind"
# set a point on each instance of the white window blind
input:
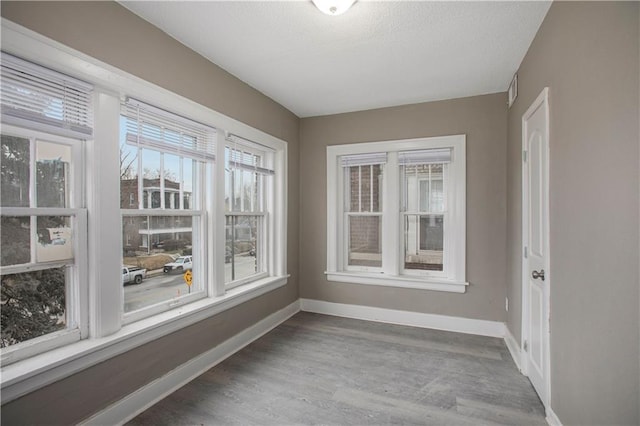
(152, 127)
(246, 159)
(43, 99)
(368, 159)
(426, 156)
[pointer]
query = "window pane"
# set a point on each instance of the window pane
(256, 199)
(365, 236)
(15, 240)
(424, 242)
(241, 257)
(437, 196)
(151, 181)
(364, 188)
(236, 180)
(188, 168)
(172, 179)
(242, 183)
(377, 188)
(353, 188)
(33, 304)
(424, 195)
(14, 173)
(424, 188)
(54, 239)
(162, 245)
(128, 176)
(249, 191)
(52, 174)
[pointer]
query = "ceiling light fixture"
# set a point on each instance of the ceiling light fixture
(333, 7)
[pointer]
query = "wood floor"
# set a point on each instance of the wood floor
(317, 369)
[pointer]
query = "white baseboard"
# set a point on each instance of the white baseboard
(514, 348)
(143, 398)
(552, 418)
(415, 319)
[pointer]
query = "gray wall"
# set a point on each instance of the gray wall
(587, 54)
(109, 32)
(483, 120)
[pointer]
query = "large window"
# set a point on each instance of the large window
(396, 213)
(166, 166)
(425, 185)
(363, 211)
(43, 222)
(117, 233)
(248, 187)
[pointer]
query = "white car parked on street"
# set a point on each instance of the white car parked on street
(181, 264)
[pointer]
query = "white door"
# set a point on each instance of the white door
(535, 133)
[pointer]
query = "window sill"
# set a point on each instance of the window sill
(398, 281)
(33, 373)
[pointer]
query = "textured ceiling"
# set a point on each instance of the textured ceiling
(378, 54)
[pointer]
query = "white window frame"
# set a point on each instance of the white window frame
(392, 273)
(107, 335)
(448, 242)
(76, 291)
(266, 205)
(347, 215)
(203, 190)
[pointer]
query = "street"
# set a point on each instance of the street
(154, 290)
(163, 287)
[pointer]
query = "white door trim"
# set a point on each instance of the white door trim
(542, 99)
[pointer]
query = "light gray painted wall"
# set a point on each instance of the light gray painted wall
(483, 120)
(587, 54)
(109, 32)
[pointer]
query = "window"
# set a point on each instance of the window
(149, 181)
(363, 210)
(43, 222)
(424, 177)
(396, 213)
(167, 160)
(248, 186)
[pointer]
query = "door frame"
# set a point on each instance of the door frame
(541, 100)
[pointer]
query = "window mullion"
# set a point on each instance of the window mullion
(33, 232)
(79, 314)
(370, 188)
(242, 186)
(181, 183)
(105, 280)
(430, 191)
(217, 222)
(391, 223)
(140, 181)
(33, 202)
(359, 188)
(161, 180)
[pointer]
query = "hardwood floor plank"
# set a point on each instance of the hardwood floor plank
(497, 413)
(317, 369)
(403, 411)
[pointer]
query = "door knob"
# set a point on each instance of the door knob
(535, 274)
